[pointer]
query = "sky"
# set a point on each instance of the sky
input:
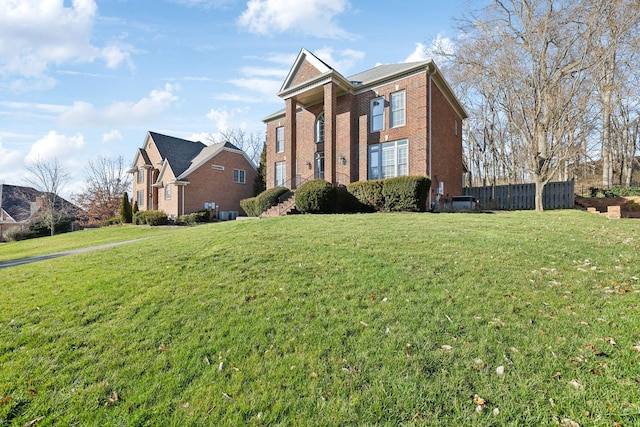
(82, 79)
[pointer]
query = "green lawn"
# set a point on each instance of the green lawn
(382, 319)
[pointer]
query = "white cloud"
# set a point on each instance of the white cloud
(55, 145)
(341, 61)
(310, 17)
(9, 161)
(221, 118)
(37, 33)
(264, 87)
(121, 113)
(437, 51)
(113, 135)
(204, 4)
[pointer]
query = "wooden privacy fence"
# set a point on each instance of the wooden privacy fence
(557, 195)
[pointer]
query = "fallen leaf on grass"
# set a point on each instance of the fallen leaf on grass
(610, 341)
(314, 375)
(500, 370)
(33, 422)
(478, 363)
(576, 385)
(496, 411)
(162, 347)
(5, 400)
(32, 392)
(446, 348)
(636, 347)
(557, 375)
(597, 372)
(113, 399)
(568, 422)
(477, 400)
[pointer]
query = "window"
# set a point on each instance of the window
(167, 192)
(281, 174)
(397, 115)
(377, 114)
(389, 159)
(280, 139)
(239, 176)
(140, 198)
(140, 176)
(319, 128)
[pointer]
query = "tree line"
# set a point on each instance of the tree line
(551, 90)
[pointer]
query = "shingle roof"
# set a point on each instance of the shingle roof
(205, 153)
(178, 152)
(382, 71)
(16, 201)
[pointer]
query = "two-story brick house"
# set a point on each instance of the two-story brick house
(391, 120)
(179, 176)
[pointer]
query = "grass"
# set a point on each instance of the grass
(69, 241)
(332, 320)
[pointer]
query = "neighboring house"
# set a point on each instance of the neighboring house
(19, 206)
(391, 120)
(179, 176)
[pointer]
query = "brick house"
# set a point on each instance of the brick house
(179, 176)
(391, 120)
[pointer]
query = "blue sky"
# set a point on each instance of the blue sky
(87, 78)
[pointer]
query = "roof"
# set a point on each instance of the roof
(178, 152)
(20, 202)
(207, 153)
(16, 201)
(361, 81)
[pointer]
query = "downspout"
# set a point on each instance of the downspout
(429, 136)
(182, 201)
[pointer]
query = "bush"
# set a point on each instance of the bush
(317, 196)
(150, 218)
(39, 229)
(193, 218)
(126, 211)
(116, 220)
(406, 193)
(254, 206)
(368, 194)
(250, 206)
(401, 194)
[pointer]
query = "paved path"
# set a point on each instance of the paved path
(14, 262)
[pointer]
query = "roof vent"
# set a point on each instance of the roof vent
(356, 83)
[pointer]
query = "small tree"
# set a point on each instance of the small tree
(260, 183)
(135, 209)
(49, 177)
(125, 209)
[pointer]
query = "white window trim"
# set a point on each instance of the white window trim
(319, 128)
(392, 123)
(140, 198)
(140, 177)
(279, 149)
(241, 176)
(167, 191)
(372, 116)
(283, 166)
(386, 147)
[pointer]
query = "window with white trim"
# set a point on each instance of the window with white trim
(377, 114)
(140, 198)
(167, 191)
(280, 139)
(397, 107)
(319, 128)
(389, 159)
(281, 174)
(239, 176)
(140, 176)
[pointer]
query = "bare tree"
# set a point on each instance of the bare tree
(251, 143)
(106, 180)
(49, 178)
(537, 54)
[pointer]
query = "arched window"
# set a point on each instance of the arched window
(319, 128)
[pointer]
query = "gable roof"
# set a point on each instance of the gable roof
(177, 151)
(20, 202)
(207, 153)
(358, 82)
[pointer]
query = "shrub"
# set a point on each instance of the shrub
(116, 220)
(250, 206)
(193, 218)
(406, 193)
(317, 196)
(39, 229)
(150, 218)
(126, 212)
(254, 206)
(368, 194)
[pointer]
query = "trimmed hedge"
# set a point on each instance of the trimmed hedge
(193, 218)
(317, 196)
(116, 220)
(400, 194)
(39, 229)
(150, 218)
(254, 206)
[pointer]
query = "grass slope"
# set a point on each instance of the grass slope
(381, 319)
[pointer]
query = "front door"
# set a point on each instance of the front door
(319, 170)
